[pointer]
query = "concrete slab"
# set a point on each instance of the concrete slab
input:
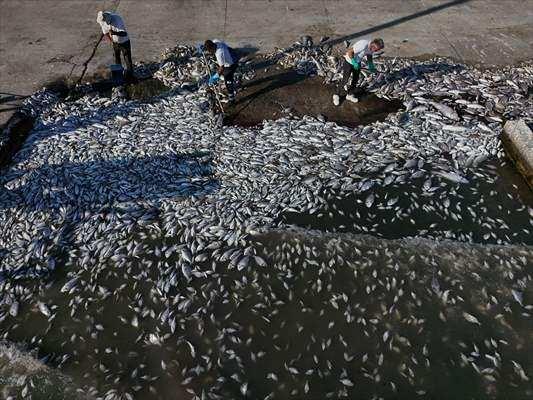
(518, 141)
(49, 39)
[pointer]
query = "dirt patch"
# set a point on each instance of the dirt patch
(146, 89)
(280, 92)
(143, 88)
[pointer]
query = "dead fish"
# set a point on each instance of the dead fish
(347, 382)
(243, 263)
(369, 200)
(69, 285)
(14, 309)
(445, 110)
(43, 308)
(470, 318)
(517, 296)
(452, 176)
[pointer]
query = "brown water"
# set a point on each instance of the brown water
(302, 319)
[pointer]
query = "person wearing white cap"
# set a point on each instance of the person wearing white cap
(114, 29)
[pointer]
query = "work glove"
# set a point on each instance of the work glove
(355, 64)
(372, 67)
(214, 79)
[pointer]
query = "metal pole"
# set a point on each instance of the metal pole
(214, 90)
(86, 63)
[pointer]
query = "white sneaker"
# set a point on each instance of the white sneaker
(336, 99)
(352, 98)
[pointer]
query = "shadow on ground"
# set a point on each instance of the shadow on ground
(283, 92)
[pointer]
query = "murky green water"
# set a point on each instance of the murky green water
(491, 209)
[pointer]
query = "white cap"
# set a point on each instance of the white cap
(103, 16)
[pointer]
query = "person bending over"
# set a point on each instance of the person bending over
(352, 67)
(227, 62)
(114, 29)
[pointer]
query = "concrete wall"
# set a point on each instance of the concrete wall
(518, 141)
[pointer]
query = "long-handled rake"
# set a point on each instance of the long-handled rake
(200, 50)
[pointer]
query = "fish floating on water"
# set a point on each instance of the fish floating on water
(146, 230)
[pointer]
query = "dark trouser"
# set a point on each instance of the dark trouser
(229, 73)
(125, 49)
(347, 71)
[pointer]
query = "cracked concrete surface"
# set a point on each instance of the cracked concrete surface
(48, 39)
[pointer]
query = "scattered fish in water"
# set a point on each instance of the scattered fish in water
(167, 228)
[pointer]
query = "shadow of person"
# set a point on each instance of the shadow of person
(245, 53)
(265, 85)
(104, 182)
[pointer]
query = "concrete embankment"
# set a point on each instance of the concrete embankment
(48, 40)
(518, 141)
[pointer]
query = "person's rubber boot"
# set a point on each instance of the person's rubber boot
(227, 98)
(352, 98)
(336, 100)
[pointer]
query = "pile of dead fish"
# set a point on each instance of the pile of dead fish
(442, 92)
(309, 60)
(488, 95)
(181, 65)
(145, 220)
(185, 66)
(23, 374)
